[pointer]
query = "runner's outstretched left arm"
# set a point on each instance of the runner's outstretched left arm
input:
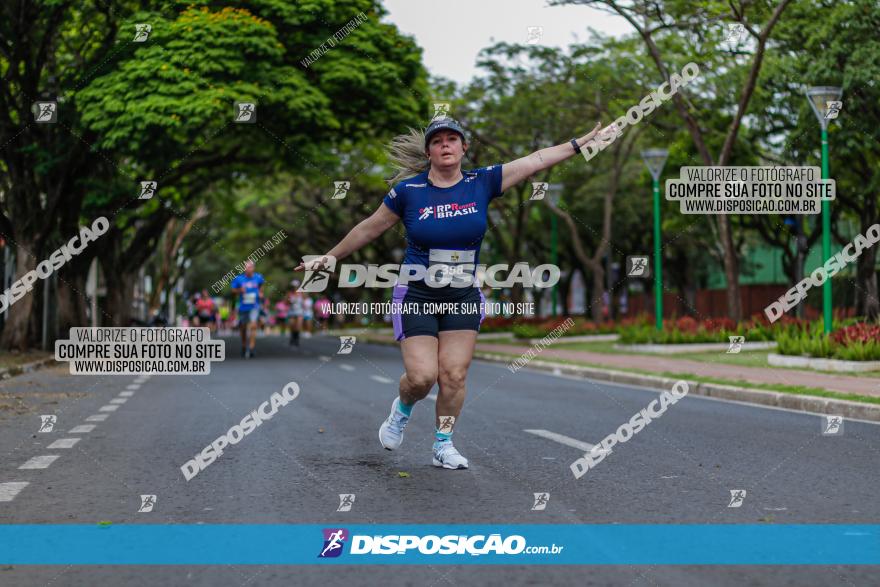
(516, 171)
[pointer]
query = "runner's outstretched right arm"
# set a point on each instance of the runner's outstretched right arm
(366, 231)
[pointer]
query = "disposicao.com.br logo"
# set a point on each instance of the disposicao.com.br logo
(479, 544)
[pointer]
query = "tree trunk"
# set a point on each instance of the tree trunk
(731, 269)
(867, 304)
(72, 310)
(866, 284)
(120, 294)
(16, 330)
(598, 292)
(71, 294)
(564, 289)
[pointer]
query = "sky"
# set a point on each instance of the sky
(452, 32)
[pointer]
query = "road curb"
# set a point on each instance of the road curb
(802, 403)
(25, 368)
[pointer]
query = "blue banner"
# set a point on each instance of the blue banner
(540, 544)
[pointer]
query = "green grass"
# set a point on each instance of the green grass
(792, 389)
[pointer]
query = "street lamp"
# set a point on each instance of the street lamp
(554, 192)
(819, 98)
(655, 159)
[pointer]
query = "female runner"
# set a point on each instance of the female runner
(444, 211)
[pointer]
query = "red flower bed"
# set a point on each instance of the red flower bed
(859, 333)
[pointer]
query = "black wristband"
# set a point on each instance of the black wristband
(577, 148)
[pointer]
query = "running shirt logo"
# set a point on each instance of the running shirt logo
(447, 210)
(414, 185)
(392, 194)
(469, 176)
(334, 540)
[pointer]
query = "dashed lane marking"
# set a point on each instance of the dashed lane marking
(64, 443)
(82, 429)
(40, 462)
(9, 490)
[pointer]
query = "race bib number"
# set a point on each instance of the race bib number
(445, 264)
(249, 298)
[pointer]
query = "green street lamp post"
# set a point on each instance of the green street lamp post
(554, 192)
(819, 98)
(655, 159)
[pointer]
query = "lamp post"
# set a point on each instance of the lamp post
(819, 98)
(554, 192)
(655, 159)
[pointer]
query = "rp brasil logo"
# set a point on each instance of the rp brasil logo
(447, 210)
(334, 541)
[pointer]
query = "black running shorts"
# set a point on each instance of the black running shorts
(418, 309)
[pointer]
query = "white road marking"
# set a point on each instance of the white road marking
(9, 490)
(381, 379)
(119, 400)
(324, 358)
(82, 429)
(97, 418)
(561, 439)
(346, 366)
(133, 387)
(108, 408)
(40, 462)
(64, 443)
(126, 393)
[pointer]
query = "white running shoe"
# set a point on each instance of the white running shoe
(391, 430)
(447, 457)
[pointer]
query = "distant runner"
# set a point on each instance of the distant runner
(297, 308)
(249, 287)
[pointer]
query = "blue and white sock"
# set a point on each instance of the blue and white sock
(446, 426)
(405, 409)
(441, 437)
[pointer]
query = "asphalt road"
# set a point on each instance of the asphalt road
(679, 469)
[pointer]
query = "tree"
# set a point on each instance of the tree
(162, 110)
(693, 28)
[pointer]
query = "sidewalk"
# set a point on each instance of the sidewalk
(868, 386)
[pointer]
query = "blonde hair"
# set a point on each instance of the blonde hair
(407, 155)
